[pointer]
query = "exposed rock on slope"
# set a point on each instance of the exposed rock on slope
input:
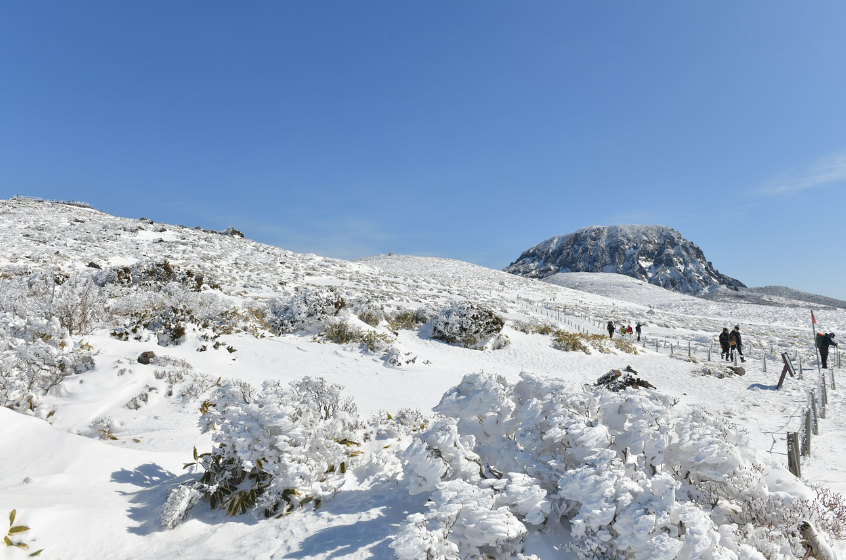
(656, 254)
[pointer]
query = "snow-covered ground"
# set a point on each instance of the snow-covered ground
(524, 458)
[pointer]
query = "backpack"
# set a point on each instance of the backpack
(818, 340)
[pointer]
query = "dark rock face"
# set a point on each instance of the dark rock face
(656, 254)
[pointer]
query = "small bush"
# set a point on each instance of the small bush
(466, 324)
(407, 320)
(278, 449)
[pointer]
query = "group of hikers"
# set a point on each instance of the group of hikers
(731, 342)
(624, 331)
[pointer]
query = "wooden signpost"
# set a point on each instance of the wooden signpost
(788, 368)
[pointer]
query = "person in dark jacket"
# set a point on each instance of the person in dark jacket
(734, 336)
(724, 345)
(610, 329)
(637, 330)
(824, 344)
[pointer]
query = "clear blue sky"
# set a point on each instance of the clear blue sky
(466, 129)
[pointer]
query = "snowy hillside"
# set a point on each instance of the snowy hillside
(403, 407)
(656, 254)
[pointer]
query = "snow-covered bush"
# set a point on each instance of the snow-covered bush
(629, 474)
(472, 521)
(344, 333)
(278, 448)
(467, 324)
(154, 275)
(406, 319)
(36, 355)
(308, 307)
(167, 315)
(581, 342)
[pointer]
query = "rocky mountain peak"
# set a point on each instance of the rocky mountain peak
(656, 254)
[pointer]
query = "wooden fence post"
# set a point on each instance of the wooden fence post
(793, 463)
(816, 414)
(806, 434)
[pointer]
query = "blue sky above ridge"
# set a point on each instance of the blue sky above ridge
(469, 130)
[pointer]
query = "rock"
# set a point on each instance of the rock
(233, 232)
(615, 380)
(146, 357)
(737, 370)
(92, 264)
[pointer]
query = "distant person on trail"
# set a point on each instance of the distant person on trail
(637, 330)
(824, 342)
(629, 331)
(610, 329)
(736, 342)
(724, 345)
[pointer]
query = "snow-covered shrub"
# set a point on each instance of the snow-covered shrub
(581, 342)
(397, 358)
(178, 504)
(629, 474)
(153, 275)
(36, 355)
(308, 307)
(169, 314)
(472, 521)
(278, 448)
(405, 319)
(533, 327)
(344, 333)
(570, 342)
(467, 324)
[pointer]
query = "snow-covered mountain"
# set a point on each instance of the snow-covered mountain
(395, 407)
(657, 254)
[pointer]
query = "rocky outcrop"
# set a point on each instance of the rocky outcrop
(657, 254)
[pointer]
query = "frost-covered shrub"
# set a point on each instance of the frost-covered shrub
(167, 315)
(405, 319)
(344, 333)
(395, 357)
(154, 275)
(278, 448)
(581, 342)
(178, 504)
(473, 521)
(36, 355)
(466, 324)
(631, 476)
(308, 307)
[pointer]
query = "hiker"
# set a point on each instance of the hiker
(724, 344)
(637, 330)
(825, 341)
(736, 342)
(629, 332)
(610, 329)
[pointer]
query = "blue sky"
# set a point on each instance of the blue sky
(467, 129)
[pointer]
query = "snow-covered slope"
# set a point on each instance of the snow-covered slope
(449, 451)
(656, 254)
